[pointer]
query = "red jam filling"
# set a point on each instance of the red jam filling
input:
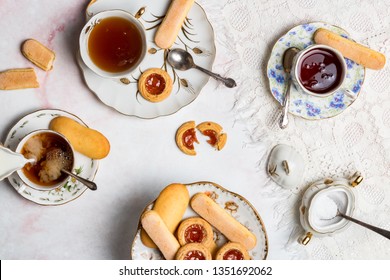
(212, 135)
(155, 84)
(194, 256)
(194, 233)
(189, 138)
(233, 254)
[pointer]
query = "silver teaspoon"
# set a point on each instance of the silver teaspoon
(182, 60)
(381, 231)
(287, 64)
(91, 185)
(64, 162)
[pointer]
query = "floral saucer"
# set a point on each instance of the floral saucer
(302, 104)
(196, 36)
(235, 204)
(84, 166)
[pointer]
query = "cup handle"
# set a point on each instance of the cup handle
(349, 94)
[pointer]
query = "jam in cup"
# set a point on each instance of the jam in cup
(319, 70)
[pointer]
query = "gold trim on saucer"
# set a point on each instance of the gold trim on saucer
(260, 221)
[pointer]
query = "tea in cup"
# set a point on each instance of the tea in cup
(51, 152)
(319, 70)
(113, 43)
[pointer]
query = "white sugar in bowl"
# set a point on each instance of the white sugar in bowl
(322, 213)
(320, 203)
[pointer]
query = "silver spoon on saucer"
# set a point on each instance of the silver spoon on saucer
(91, 185)
(288, 57)
(182, 60)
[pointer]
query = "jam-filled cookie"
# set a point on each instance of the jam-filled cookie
(185, 138)
(195, 230)
(232, 251)
(193, 251)
(213, 130)
(155, 85)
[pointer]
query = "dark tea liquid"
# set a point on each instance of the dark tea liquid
(48, 141)
(115, 44)
(320, 71)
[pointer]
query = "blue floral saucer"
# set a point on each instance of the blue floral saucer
(302, 104)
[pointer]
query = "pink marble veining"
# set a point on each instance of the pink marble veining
(31, 224)
(53, 33)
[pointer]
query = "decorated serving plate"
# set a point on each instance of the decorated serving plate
(83, 166)
(196, 36)
(235, 204)
(302, 104)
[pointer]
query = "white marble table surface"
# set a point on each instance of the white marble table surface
(144, 157)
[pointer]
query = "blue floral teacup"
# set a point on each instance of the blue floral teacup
(319, 70)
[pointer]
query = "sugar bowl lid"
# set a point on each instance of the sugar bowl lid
(286, 166)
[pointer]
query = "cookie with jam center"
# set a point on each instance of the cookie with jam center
(155, 85)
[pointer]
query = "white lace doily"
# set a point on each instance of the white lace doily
(356, 140)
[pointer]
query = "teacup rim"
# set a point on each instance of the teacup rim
(341, 58)
(83, 43)
(24, 178)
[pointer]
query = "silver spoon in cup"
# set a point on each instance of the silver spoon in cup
(63, 162)
(182, 60)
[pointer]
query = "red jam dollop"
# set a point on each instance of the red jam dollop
(155, 84)
(189, 138)
(194, 256)
(233, 254)
(212, 135)
(194, 233)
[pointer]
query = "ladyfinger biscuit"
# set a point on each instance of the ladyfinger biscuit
(221, 220)
(18, 79)
(38, 54)
(160, 234)
(171, 204)
(87, 141)
(172, 22)
(349, 49)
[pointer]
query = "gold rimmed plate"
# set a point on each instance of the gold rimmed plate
(235, 204)
(196, 36)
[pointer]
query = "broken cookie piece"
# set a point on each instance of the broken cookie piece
(18, 79)
(38, 54)
(213, 130)
(185, 138)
